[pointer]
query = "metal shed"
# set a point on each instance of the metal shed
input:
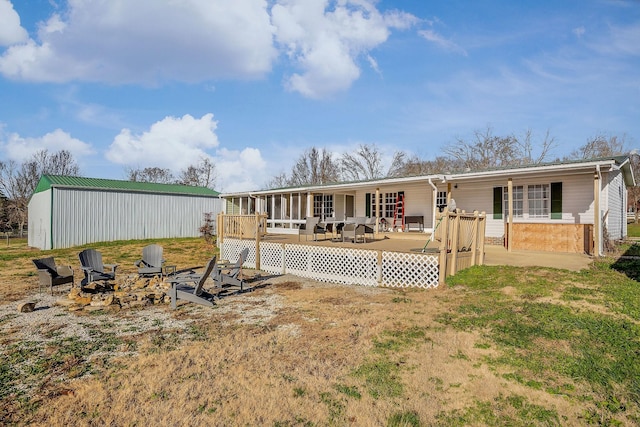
(66, 211)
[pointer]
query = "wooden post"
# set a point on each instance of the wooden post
(453, 267)
(379, 272)
(220, 226)
(443, 229)
(258, 220)
(597, 219)
(481, 232)
(474, 238)
(510, 220)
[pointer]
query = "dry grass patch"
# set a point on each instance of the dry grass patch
(498, 346)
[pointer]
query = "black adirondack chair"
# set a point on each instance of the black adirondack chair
(93, 267)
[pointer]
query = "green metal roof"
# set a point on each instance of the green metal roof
(50, 181)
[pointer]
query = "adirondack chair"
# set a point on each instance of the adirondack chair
(91, 264)
(227, 274)
(151, 262)
(181, 288)
(50, 274)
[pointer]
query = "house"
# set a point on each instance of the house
(66, 211)
(571, 206)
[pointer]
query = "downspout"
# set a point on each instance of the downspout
(433, 200)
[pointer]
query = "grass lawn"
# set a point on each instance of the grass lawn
(497, 346)
(633, 230)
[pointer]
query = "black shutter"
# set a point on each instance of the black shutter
(556, 200)
(367, 203)
(497, 202)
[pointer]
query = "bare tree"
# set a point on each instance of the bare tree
(414, 166)
(364, 163)
(489, 150)
(151, 174)
(202, 174)
(602, 146)
(18, 182)
(314, 167)
(279, 181)
(528, 148)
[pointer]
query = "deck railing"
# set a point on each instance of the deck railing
(241, 226)
(463, 245)
(462, 248)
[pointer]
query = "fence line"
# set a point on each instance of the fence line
(461, 238)
(339, 265)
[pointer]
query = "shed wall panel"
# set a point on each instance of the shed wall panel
(87, 216)
(39, 220)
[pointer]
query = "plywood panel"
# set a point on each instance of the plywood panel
(551, 237)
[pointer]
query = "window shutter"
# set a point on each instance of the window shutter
(556, 200)
(497, 202)
(367, 204)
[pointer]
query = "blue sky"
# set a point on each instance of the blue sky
(251, 84)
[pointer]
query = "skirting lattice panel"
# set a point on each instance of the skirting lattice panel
(333, 264)
(404, 269)
(339, 265)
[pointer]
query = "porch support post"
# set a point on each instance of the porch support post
(510, 220)
(309, 205)
(448, 193)
(376, 204)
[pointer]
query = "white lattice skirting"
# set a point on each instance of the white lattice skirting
(339, 265)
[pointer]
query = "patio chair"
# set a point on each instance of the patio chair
(181, 288)
(370, 226)
(352, 230)
(311, 228)
(227, 274)
(91, 264)
(151, 262)
(50, 274)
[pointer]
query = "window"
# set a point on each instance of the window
(323, 205)
(542, 201)
(373, 205)
(518, 201)
(538, 198)
(390, 204)
(441, 200)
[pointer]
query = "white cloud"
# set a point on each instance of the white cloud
(10, 30)
(326, 44)
(20, 149)
(579, 31)
(441, 41)
(173, 143)
(146, 41)
(240, 170)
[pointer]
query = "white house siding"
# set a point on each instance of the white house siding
(40, 220)
(577, 199)
(616, 206)
(418, 200)
(83, 216)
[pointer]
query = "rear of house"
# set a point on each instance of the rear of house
(570, 206)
